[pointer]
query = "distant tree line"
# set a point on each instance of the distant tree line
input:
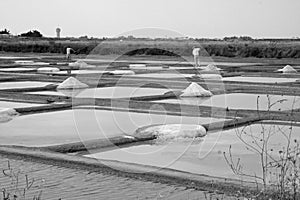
(5, 31)
(241, 38)
(244, 46)
(33, 34)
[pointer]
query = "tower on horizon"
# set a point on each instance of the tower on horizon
(58, 30)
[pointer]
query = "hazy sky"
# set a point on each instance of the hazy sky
(193, 18)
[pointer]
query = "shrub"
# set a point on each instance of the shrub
(33, 34)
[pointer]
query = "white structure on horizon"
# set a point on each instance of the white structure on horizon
(58, 30)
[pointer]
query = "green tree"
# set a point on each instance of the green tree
(34, 33)
(5, 31)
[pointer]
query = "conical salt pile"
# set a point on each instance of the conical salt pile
(288, 69)
(7, 114)
(195, 90)
(72, 83)
(81, 65)
(78, 63)
(211, 67)
(47, 70)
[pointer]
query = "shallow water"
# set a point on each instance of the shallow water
(160, 67)
(76, 125)
(171, 62)
(202, 156)
(16, 57)
(80, 72)
(107, 92)
(17, 69)
(259, 79)
(164, 75)
(121, 92)
(23, 84)
(9, 104)
(65, 183)
(242, 101)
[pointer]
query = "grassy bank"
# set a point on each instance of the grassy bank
(167, 47)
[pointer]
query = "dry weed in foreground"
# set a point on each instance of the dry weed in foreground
(17, 189)
(279, 164)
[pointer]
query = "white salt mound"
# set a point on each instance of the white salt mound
(30, 62)
(7, 114)
(23, 62)
(72, 83)
(16, 69)
(288, 69)
(78, 63)
(195, 90)
(211, 67)
(81, 65)
(121, 72)
(46, 70)
(172, 131)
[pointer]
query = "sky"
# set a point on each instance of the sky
(180, 18)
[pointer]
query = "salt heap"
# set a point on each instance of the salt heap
(121, 72)
(46, 70)
(195, 90)
(7, 114)
(172, 131)
(287, 69)
(24, 62)
(72, 83)
(81, 65)
(211, 68)
(30, 62)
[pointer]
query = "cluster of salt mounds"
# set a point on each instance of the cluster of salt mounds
(72, 83)
(287, 69)
(195, 90)
(47, 70)
(7, 114)
(81, 65)
(172, 131)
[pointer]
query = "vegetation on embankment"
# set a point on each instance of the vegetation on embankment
(168, 47)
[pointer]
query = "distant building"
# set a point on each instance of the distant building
(6, 36)
(58, 30)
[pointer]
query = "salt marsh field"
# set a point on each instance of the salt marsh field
(161, 130)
